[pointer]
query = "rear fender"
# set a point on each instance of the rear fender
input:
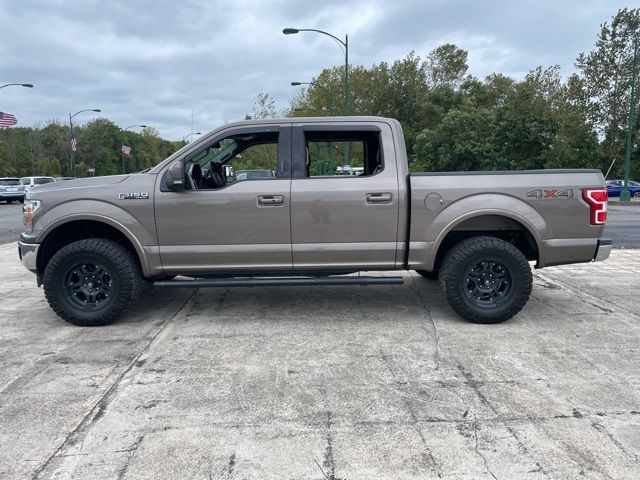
(492, 204)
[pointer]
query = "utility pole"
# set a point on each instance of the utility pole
(625, 196)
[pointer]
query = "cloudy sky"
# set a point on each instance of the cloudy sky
(154, 61)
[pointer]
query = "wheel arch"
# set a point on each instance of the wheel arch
(495, 222)
(77, 227)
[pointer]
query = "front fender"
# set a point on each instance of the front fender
(143, 240)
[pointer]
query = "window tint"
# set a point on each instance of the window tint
(42, 180)
(9, 181)
(25, 180)
(338, 154)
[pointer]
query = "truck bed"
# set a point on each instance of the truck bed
(546, 204)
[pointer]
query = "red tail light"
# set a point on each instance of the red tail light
(597, 201)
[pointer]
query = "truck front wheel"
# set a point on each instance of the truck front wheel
(485, 279)
(92, 282)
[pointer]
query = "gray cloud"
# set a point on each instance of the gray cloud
(153, 62)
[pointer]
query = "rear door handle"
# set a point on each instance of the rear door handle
(379, 198)
(270, 200)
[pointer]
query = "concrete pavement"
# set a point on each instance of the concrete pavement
(314, 383)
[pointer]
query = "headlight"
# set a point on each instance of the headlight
(30, 207)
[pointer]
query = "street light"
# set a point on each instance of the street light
(317, 85)
(74, 143)
(184, 139)
(345, 44)
(123, 143)
(625, 196)
(28, 85)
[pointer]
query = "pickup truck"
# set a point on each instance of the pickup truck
(94, 243)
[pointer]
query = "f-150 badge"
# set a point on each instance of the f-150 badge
(133, 196)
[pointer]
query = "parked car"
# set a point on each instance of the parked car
(31, 182)
(254, 174)
(93, 243)
(614, 188)
(11, 189)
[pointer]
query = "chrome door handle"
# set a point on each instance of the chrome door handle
(379, 198)
(270, 200)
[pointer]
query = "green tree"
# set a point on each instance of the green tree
(606, 75)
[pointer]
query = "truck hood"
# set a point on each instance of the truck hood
(79, 183)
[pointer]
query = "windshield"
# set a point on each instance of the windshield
(10, 181)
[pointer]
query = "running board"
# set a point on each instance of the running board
(278, 281)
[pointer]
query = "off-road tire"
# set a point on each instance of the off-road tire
(433, 275)
(124, 277)
(457, 281)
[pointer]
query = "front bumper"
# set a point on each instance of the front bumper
(604, 250)
(28, 253)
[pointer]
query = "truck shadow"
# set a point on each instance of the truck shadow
(415, 297)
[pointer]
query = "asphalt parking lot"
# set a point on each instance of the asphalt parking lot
(326, 382)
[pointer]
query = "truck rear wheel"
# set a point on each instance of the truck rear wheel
(485, 279)
(92, 282)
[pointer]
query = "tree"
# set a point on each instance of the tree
(264, 107)
(606, 78)
(447, 65)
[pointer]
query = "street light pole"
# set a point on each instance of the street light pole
(123, 144)
(330, 98)
(73, 146)
(184, 139)
(625, 196)
(345, 44)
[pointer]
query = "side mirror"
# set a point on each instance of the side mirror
(175, 176)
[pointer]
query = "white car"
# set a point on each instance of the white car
(31, 182)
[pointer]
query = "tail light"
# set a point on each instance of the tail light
(597, 201)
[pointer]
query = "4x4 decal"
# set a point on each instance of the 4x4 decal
(542, 194)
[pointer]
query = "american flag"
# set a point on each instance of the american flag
(74, 142)
(126, 149)
(6, 119)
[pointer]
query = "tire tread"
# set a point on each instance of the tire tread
(455, 260)
(126, 268)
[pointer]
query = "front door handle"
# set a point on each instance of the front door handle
(385, 198)
(270, 200)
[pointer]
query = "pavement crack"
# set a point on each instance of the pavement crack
(475, 448)
(601, 429)
(588, 298)
(474, 385)
(328, 461)
(231, 465)
(100, 406)
(432, 324)
(429, 459)
(132, 452)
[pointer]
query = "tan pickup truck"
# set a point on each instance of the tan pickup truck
(314, 200)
